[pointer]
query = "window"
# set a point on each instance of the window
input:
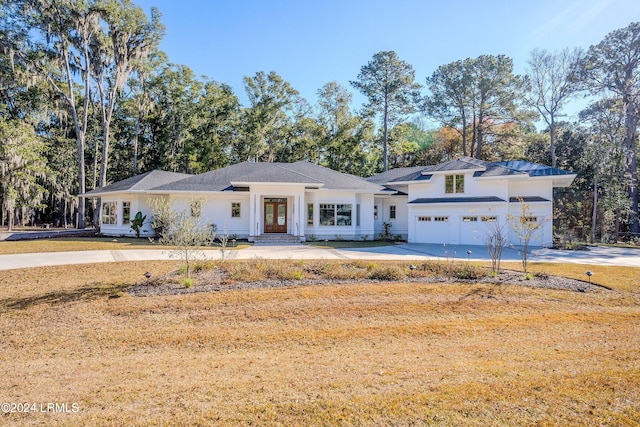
(529, 219)
(392, 212)
(126, 213)
(358, 215)
(469, 219)
(109, 213)
(441, 219)
(310, 214)
(235, 210)
(489, 219)
(375, 212)
(424, 218)
(327, 214)
(454, 184)
(333, 214)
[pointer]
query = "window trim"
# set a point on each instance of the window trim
(239, 207)
(335, 207)
(456, 181)
(109, 211)
(310, 211)
(126, 219)
(393, 212)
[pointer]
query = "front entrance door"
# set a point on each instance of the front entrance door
(275, 215)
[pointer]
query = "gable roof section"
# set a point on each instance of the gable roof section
(239, 176)
(398, 175)
(481, 168)
(463, 163)
(334, 180)
(142, 182)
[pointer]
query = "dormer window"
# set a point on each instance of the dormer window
(454, 184)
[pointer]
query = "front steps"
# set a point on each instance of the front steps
(277, 240)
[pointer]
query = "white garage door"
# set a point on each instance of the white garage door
(470, 233)
(474, 228)
(433, 229)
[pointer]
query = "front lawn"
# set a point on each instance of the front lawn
(362, 353)
(64, 244)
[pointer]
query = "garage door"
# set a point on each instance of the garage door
(433, 229)
(470, 233)
(474, 229)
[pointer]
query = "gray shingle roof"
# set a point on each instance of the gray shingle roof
(334, 180)
(142, 182)
(242, 174)
(432, 200)
(397, 175)
(221, 179)
(463, 163)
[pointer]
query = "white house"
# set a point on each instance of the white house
(448, 203)
(252, 200)
(454, 202)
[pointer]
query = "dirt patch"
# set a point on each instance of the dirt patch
(217, 280)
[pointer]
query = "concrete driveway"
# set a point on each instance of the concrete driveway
(410, 251)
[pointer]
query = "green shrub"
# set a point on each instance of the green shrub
(292, 274)
(468, 271)
(187, 282)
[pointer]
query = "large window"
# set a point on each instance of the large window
(334, 214)
(109, 213)
(310, 214)
(126, 213)
(454, 184)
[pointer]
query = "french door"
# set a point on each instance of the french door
(275, 215)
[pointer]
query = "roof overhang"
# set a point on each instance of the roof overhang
(455, 171)
(451, 200)
(286, 184)
(562, 180)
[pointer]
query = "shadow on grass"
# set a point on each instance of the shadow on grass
(90, 292)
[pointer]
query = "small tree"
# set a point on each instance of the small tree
(525, 227)
(137, 223)
(495, 241)
(183, 231)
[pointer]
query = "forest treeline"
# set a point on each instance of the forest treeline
(87, 99)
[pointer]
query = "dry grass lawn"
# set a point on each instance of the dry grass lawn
(65, 244)
(368, 354)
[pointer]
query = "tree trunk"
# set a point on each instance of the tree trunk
(617, 227)
(552, 142)
(480, 137)
(385, 128)
(594, 215)
(136, 134)
(630, 141)
(464, 134)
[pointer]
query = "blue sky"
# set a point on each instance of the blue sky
(310, 43)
